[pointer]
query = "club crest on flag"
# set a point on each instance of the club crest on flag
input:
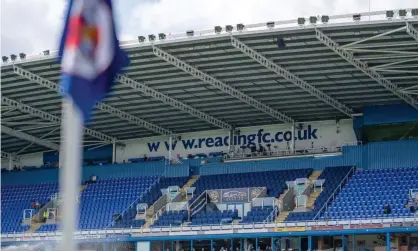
(90, 54)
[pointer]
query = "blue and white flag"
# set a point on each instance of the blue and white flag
(90, 54)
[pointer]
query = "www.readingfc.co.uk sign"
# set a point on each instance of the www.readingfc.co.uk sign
(260, 137)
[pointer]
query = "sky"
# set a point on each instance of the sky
(32, 26)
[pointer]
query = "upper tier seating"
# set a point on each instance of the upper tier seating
(275, 181)
(100, 201)
(367, 193)
(16, 198)
(128, 219)
(333, 177)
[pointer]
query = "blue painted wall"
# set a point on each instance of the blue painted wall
(393, 154)
(104, 172)
(403, 153)
(104, 152)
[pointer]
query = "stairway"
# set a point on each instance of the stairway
(35, 224)
(34, 227)
(149, 214)
(314, 194)
(282, 216)
(314, 176)
(189, 183)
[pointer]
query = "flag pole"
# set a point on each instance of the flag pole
(71, 148)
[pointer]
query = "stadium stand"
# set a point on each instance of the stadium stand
(333, 178)
(368, 191)
(257, 214)
(16, 198)
(275, 181)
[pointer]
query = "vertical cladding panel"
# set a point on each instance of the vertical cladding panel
(177, 170)
(403, 153)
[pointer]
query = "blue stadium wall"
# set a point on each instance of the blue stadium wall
(395, 154)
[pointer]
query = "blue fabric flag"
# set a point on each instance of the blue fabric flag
(90, 55)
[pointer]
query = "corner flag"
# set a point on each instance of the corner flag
(89, 52)
(90, 58)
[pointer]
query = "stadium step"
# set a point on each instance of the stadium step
(314, 176)
(282, 216)
(189, 183)
(34, 227)
(314, 194)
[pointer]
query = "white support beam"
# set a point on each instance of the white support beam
(49, 117)
(289, 76)
(30, 138)
(349, 57)
(221, 85)
(171, 101)
(412, 31)
(102, 106)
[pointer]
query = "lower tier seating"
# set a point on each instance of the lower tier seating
(214, 218)
(171, 218)
(257, 214)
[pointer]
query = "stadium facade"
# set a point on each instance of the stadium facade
(294, 135)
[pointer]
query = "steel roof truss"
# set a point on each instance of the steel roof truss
(30, 138)
(289, 76)
(172, 102)
(102, 106)
(349, 57)
(49, 117)
(221, 85)
(412, 31)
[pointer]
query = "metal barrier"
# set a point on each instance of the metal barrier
(336, 191)
(325, 225)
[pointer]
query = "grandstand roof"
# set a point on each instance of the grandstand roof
(323, 80)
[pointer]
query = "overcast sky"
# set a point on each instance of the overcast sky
(31, 26)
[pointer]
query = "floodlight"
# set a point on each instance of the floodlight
(356, 17)
(5, 59)
(46, 53)
(190, 33)
(414, 12)
(324, 19)
(390, 14)
(240, 27)
(218, 29)
(161, 36)
(270, 24)
(402, 13)
(22, 55)
(13, 57)
(229, 28)
(301, 21)
(141, 39)
(313, 20)
(151, 37)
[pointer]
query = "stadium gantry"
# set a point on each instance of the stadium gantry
(315, 91)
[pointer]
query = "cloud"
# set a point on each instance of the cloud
(181, 15)
(31, 26)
